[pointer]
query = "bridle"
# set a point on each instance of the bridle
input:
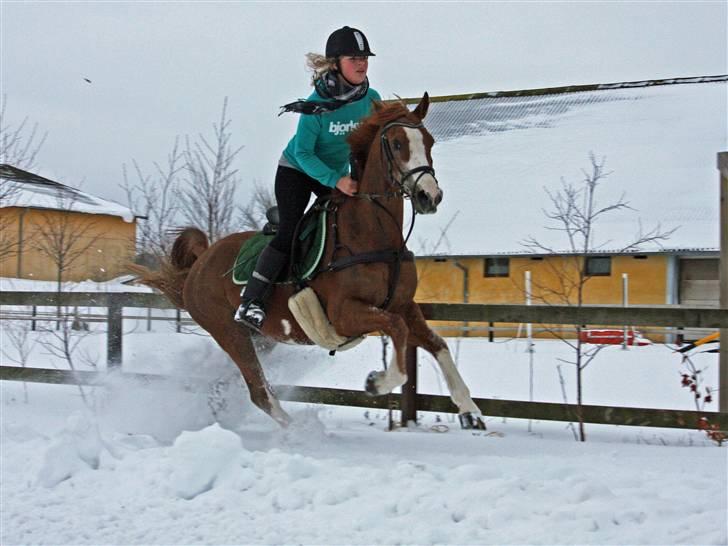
(396, 178)
(388, 155)
(398, 182)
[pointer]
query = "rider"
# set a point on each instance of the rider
(316, 159)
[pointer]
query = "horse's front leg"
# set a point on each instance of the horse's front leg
(421, 335)
(353, 318)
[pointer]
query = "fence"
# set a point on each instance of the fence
(410, 401)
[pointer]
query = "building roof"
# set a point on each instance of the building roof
(34, 191)
(495, 155)
(682, 252)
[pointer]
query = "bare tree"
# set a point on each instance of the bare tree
(252, 216)
(575, 213)
(19, 143)
(156, 198)
(427, 247)
(18, 336)
(19, 146)
(207, 196)
(64, 342)
(9, 190)
(64, 236)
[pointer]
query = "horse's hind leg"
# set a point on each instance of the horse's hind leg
(237, 343)
(421, 335)
(353, 318)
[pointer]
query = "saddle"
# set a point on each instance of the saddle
(308, 246)
(308, 242)
(308, 249)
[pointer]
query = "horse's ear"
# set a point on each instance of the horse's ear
(421, 110)
(377, 105)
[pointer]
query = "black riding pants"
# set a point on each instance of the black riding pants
(293, 191)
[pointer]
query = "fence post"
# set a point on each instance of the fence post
(529, 340)
(178, 320)
(723, 360)
(409, 389)
(625, 303)
(114, 331)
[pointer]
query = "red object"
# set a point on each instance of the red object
(613, 337)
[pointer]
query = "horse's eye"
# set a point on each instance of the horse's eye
(397, 145)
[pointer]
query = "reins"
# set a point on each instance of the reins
(393, 257)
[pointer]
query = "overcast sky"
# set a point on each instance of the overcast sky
(162, 69)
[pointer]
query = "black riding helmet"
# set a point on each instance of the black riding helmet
(348, 41)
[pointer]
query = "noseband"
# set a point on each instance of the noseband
(392, 164)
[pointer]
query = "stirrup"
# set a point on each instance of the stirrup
(251, 314)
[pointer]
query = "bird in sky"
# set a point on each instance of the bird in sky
(87, 80)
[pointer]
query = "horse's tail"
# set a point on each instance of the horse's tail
(188, 246)
(170, 279)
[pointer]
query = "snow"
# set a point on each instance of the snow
(60, 197)
(147, 464)
(11, 284)
(660, 143)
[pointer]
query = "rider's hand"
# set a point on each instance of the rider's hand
(347, 185)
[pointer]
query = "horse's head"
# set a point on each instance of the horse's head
(404, 151)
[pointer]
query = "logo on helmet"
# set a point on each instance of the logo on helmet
(359, 40)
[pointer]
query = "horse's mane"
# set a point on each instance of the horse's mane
(360, 140)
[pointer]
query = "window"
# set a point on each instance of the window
(598, 266)
(497, 267)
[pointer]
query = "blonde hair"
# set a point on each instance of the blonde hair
(319, 64)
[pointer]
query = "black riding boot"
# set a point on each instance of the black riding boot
(252, 299)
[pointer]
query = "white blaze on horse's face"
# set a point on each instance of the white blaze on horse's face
(422, 187)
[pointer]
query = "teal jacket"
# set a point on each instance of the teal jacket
(319, 147)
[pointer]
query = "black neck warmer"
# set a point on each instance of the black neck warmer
(330, 85)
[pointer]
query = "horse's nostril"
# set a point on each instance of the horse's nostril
(423, 199)
(438, 198)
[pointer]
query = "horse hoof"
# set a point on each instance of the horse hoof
(370, 386)
(471, 421)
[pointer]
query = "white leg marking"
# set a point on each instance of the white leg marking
(286, 327)
(388, 380)
(459, 392)
(393, 378)
(277, 412)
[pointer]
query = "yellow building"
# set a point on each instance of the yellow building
(46, 226)
(687, 277)
(508, 162)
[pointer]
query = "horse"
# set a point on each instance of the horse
(368, 280)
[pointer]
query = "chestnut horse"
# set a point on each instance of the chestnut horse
(373, 292)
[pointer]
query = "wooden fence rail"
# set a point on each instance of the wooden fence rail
(657, 315)
(411, 401)
(516, 409)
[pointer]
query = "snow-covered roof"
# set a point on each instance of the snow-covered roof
(33, 191)
(495, 154)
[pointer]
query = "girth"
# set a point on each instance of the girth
(392, 257)
(376, 256)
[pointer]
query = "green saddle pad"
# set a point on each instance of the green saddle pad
(308, 250)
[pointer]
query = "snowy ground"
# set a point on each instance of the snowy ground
(137, 465)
